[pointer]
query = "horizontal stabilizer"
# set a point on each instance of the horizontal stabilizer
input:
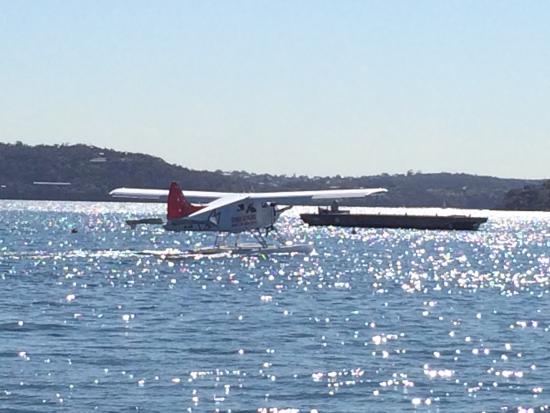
(147, 221)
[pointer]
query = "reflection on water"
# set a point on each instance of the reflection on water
(379, 320)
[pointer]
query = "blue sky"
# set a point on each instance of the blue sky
(307, 87)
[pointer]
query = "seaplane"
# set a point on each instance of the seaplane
(227, 213)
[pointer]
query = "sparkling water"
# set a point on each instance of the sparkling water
(373, 320)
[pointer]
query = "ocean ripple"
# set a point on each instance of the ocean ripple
(384, 320)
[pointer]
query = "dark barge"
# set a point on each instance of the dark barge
(343, 218)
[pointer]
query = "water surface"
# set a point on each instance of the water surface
(379, 320)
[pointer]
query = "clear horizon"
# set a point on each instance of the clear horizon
(308, 88)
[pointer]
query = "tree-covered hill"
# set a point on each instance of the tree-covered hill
(92, 172)
(529, 198)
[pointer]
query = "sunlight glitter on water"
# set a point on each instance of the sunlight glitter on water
(435, 321)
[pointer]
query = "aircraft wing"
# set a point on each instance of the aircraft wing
(162, 194)
(205, 214)
(320, 197)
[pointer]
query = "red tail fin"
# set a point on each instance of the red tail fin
(178, 206)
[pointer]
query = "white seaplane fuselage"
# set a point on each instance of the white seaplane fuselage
(246, 216)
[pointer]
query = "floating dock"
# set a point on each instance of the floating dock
(343, 218)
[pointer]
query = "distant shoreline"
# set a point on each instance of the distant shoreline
(88, 173)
